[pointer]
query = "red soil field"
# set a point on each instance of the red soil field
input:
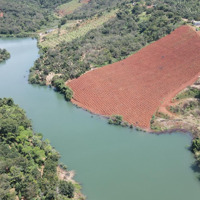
(137, 86)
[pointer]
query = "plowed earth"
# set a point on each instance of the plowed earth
(137, 86)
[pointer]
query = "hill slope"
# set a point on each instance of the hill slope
(20, 17)
(137, 86)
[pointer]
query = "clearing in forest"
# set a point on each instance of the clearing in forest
(137, 86)
(70, 7)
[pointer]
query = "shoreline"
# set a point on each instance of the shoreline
(65, 175)
(150, 131)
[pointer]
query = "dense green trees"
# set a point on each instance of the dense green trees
(66, 188)
(189, 9)
(26, 16)
(196, 150)
(196, 145)
(4, 55)
(118, 120)
(60, 86)
(28, 164)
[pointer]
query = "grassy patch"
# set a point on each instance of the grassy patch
(144, 17)
(73, 29)
(184, 107)
(153, 124)
(189, 93)
(162, 115)
(69, 7)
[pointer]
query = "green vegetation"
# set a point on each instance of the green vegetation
(195, 145)
(186, 107)
(117, 120)
(4, 55)
(154, 126)
(132, 28)
(189, 9)
(28, 164)
(189, 93)
(196, 150)
(59, 84)
(69, 7)
(162, 115)
(95, 7)
(66, 188)
(69, 31)
(190, 102)
(24, 17)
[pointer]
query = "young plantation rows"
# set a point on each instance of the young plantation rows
(76, 30)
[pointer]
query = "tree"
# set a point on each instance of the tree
(66, 188)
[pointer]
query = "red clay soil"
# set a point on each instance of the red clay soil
(137, 86)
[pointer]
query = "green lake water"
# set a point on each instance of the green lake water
(111, 163)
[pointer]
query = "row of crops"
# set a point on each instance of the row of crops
(75, 30)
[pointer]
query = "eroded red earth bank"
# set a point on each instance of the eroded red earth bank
(137, 86)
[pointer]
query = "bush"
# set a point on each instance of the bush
(116, 120)
(195, 145)
(66, 188)
(4, 55)
(60, 86)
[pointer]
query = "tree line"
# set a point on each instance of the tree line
(21, 17)
(28, 163)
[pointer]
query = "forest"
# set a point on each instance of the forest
(133, 28)
(21, 17)
(28, 163)
(189, 9)
(4, 55)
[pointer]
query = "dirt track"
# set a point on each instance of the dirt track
(137, 86)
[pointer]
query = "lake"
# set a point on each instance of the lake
(111, 163)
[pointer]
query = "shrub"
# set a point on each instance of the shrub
(116, 120)
(66, 188)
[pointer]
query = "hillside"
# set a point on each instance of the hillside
(29, 165)
(96, 42)
(70, 7)
(21, 17)
(137, 86)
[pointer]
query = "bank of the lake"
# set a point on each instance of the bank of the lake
(111, 163)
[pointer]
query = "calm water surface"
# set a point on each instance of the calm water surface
(111, 163)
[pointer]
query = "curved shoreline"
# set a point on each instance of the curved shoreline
(151, 131)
